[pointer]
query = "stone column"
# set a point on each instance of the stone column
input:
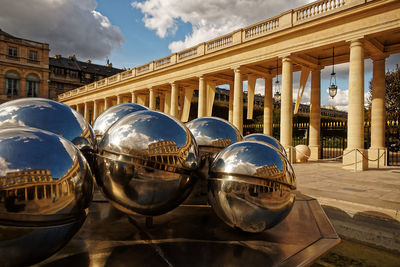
(315, 115)
(268, 106)
(106, 103)
(251, 86)
(231, 96)
(167, 103)
(119, 99)
(378, 115)
(86, 111)
(162, 102)
(202, 105)
(133, 100)
(174, 100)
(238, 96)
(95, 110)
(80, 109)
(352, 158)
(287, 107)
(152, 101)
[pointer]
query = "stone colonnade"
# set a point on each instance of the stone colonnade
(176, 102)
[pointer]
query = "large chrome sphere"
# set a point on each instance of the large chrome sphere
(46, 187)
(250, 187)
(266, 139)
(51, 116)
(212, 134)
(303, 153)
(145, 163)
(111, 115)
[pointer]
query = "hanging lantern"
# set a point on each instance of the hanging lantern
(277, 86)
(333, 87)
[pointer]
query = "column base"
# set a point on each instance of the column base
(315, 153)
(374, 154)
(354, 160)
(291, 154)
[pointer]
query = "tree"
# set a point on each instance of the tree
(392, 100)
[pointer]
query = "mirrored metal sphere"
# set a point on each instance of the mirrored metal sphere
(250, 187)
(113, 114)
(266, 139)
(145, 163)
(51, 116)
(46, 187)
(212, 134)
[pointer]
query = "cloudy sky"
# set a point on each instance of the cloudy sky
(131, 33)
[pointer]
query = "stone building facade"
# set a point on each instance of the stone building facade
(24, 68)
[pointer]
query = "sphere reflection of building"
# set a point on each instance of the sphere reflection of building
(148, 172)
(34, 205)
(250, 186)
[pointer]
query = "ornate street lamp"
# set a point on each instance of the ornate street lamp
(333, 87)
(277, 86)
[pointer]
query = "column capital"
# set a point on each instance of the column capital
(287, 59)
(356, 42)
(379, 57)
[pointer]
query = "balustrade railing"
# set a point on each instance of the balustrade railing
(283, 21)
(317, 8)
(187, 53)
(261, 28)
(220, 42)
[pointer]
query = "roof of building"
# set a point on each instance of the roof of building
(88, 67)
(6, 34)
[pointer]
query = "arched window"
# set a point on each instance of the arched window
(12, 83)
(32, 85)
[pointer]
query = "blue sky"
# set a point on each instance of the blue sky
(130, 33)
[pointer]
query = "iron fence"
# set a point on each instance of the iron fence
(333, 138)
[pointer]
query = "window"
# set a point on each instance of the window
(32, 85)
(60, 86)
(12, 83)
(33, 55)
(12, 51)
(73, 74)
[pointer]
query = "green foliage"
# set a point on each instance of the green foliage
(392, 102)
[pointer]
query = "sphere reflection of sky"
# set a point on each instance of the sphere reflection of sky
(209, 129)
(139, 129)
(113, 114)
(24, 149)
(42, 114)
(245, 157)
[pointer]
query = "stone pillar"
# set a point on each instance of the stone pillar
(238, 96)
(315, 115)
(231, 96)
(152, 101)
(95, 110)
(86, 111)
(174, 100)
(133, 100)
(167, 103)
(287, 108)
(162, 102)
(378, 115)
(119, 99)
(106, 103)
(268, 106)
(352, 158)
(251, 86)
(202, 105)
(80, 109)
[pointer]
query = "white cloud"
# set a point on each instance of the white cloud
(70, 27)
(209, 18)
(340, 101)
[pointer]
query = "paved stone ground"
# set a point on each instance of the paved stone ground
(362, 206)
